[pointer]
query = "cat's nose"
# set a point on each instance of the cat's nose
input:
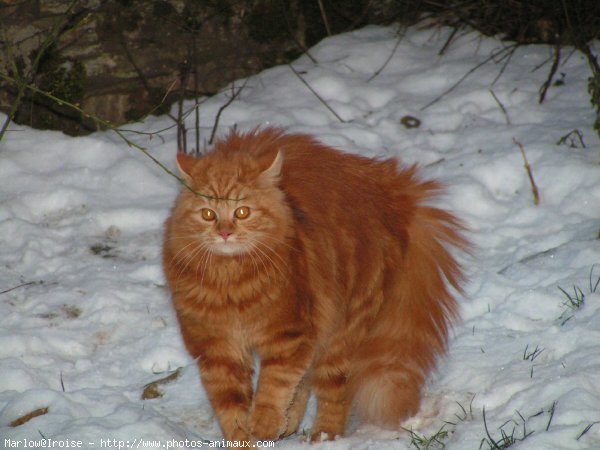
(225, 234)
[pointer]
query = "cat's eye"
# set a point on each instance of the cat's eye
(208, 214)
(242, 212)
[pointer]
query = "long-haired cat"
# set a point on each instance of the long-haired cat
(331, 268)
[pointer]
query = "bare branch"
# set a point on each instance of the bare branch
(501, 107)
(506, 51)
(534, 189)
(389, 58)
(234, 95)
(321, 99)
(551, 74)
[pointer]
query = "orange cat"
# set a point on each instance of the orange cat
(331, 268)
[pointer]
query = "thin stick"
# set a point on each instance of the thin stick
(448, 42)
(551, 74)
(299, 44)
(466, 75)
(389, 58)
(501, 107)
(506, 62)
(29, 283)
(234, 95)
(324, 16)
(534, 189)
(316, 95)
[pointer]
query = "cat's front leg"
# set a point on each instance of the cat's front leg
(227, 379)
(284, 362)
(226, 370)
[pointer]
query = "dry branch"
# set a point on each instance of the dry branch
(321, 99)
(501, 107)
(27, 417)
(534, 189)
(551, 74)
(234, 95)
(505, 52)
(152, 390)
(389, 58)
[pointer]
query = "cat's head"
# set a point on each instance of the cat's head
(237, 206)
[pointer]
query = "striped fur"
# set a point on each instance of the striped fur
(338, 280)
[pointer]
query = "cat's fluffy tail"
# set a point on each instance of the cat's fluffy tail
(411, 329)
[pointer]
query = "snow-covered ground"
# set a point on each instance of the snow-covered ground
(86, 322)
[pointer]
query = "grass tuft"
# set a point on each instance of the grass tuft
(506, 439)
(575, 301)
(594, 286)
(531, 355)
(433, 442)
(586, 429)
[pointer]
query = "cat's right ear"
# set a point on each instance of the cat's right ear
(273, 173)
(184, 164)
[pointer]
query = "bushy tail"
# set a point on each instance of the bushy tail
(411, 329)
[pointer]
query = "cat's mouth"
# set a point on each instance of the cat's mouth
(228, 248)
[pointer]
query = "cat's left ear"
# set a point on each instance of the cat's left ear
(273, 173)
(185, 163)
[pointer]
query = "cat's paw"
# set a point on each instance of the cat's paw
(321, 436)
(239, 435)
(266, 423)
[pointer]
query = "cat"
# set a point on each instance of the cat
(333, 269)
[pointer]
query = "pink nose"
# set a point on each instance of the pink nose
(225, 235)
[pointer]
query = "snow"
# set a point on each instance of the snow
(86, 322)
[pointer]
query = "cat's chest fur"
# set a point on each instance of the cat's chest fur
(234, 289)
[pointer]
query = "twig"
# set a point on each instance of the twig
(389, 58)
(324, 16)
(196, 89)
(507, 59)
(315, 94)
(152, 390)
(300, 45)
(534, 189)
(586, 429)
(551, 74)
(572, 136)
(27, 417)
(466, 75)
(448, 41)
(501, 107)
(234, 95)
(29, 283)
(551, 413)
(181, 130)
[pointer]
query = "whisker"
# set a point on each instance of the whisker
(192, 255)
(258, 255)
(273, 251)
(251, 255)
(279, 241)
(266, 255)
(205, 260)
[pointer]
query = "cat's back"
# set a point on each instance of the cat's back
(323, 179)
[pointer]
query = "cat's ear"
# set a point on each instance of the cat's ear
(273, 172)
(184, 164)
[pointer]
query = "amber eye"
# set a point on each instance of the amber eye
(208, 214)
(242, 212)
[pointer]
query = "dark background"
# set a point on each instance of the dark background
(115, 61)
